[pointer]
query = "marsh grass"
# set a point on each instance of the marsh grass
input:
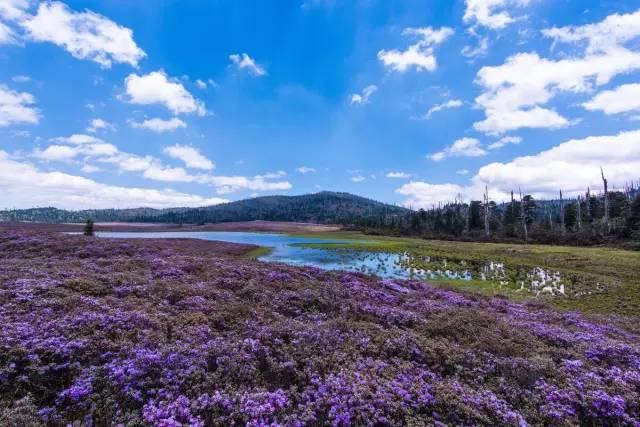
(607, 280)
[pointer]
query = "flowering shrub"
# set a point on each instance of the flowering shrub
(101, 332)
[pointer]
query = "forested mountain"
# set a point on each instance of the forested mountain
(323, 207)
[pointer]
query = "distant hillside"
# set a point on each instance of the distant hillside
(324, 207)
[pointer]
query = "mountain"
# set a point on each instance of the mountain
(324, 207)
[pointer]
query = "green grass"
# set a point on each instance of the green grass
(613, 275)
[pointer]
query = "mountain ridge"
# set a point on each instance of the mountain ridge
(323, 207)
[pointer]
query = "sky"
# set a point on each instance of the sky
(164, 103)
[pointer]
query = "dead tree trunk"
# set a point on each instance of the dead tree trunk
(579, 213)
(605, 219)
(487, 230)
(563, 228)
(523, 215)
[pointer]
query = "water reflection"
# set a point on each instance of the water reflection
(407, 265)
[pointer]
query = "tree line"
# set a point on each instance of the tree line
(588, 219)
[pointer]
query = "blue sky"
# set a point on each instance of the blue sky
(176, 103)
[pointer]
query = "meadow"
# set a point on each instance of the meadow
(168, 333)
(601, 280)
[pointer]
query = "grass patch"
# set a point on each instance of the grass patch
(610, 276)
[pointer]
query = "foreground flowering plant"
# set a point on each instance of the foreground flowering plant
(102, 332)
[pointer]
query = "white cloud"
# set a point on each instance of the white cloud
(157, 88)
(515, 93)
(7, 36)
(245, 62)
(452, 103)
(480, 50)
(160, 125)
(78, 139)
(13, 10)
(505, 141)
(425, 195)
(66, 152)
(57, 153)
(420, 54)
(398, 175)
(358, 178)
(191, 157)
(229, 184)
(201, 84)
(85, 35)
(99, 124)
(21, 79)
(305, 169)
(622, 99)
(462, 172)
(493, 14)
(463, 147)
(90, 169)
(363, 98)
(571, 167)
(26, 186)
(17, 107)
(96, 150)
(614, 31)
(272, 175)
(168, 174)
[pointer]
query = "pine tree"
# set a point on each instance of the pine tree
(88, 228)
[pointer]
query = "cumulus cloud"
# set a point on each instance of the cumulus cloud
(358, 178)
(12, 10)
(85, 35)
(493, 14)
(419, 55)
(17, 107)
(505, 141)
(424, 195)
(157, 88)
(398, 175)
(622, 99)
(463, 147)
(305, 169)
(87, 148)
(545, 173)
(242, 61)
(452, 103)
(191, 157)
(78, 138)
(515, 93)
(99, 124)
(27, 186)
(363, 98)
(159, 125)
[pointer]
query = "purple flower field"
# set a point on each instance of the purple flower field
(102, 332)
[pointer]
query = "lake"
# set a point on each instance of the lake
(400, 265)
(284, 249)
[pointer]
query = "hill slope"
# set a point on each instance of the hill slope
(324, 207)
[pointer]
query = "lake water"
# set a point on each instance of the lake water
(285, 249)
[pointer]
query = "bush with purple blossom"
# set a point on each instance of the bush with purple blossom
(101, 332)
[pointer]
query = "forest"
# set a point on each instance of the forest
(589, 219)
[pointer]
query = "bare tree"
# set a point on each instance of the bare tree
(523, 215)
(487, 230)
(605, 219)
(563, 228)
(579, 213)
